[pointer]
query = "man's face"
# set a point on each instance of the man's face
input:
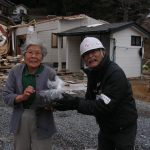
(93, 58)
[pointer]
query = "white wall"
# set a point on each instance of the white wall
(70, 24)
(127, 56)
(46, 28)
(52, 56)
(21, 31)
(46, 25)
(45, 31)
(74, 54)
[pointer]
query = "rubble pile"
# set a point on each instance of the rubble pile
(72, 78)
(9, 61)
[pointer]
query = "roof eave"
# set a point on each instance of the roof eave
(130, 25)
(81, 33)
(146, 32)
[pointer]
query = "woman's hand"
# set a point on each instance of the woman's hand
(26, 94)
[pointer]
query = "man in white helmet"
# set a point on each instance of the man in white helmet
(108, 97)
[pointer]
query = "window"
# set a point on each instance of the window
(135, 40)
(54, 41)
(21, 11)
(15, 12)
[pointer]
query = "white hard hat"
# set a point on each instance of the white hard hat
(90, 43)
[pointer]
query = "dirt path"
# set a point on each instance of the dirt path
(141, 89)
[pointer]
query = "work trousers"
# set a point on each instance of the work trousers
(124, 139)
(26, 138)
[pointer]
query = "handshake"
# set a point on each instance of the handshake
(55, 98)
(58, 101)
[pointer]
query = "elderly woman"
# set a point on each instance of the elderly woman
(33, 127)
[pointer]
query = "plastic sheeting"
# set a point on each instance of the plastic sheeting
(55, 90)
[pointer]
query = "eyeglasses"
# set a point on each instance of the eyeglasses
(31, 53)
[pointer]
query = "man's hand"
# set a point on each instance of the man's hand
(44, 98)
(68, 102)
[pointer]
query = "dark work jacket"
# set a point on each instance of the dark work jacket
(119, 111)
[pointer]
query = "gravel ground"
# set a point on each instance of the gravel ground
(77, 131)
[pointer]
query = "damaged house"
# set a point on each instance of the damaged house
(46, 30)
(62, 36)
(124, 43)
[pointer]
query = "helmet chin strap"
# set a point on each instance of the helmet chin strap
(102, 53)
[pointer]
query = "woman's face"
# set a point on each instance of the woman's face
(93, 58)
(33, 57)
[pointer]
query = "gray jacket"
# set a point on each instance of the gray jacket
(45, 121)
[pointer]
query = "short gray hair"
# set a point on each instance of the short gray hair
(34, 42)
